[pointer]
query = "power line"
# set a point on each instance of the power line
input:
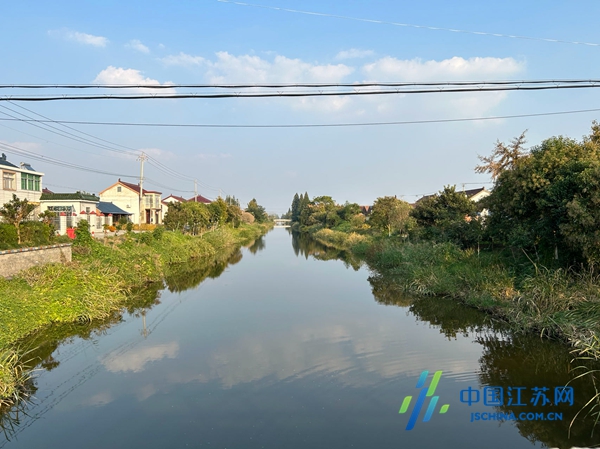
(71, 136)
(408, 25)
(296, 85)
(284, 94)
(316, 125)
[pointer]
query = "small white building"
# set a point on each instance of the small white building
(22, 180)
(126, 196)
(70, 208)
(171, 199)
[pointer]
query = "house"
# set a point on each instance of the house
(477, 194)
(70, 208)
(474, 195)
(200, 199)
(21, 180)
(171, 199)
(144, 208)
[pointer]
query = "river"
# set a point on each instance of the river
(287, 344)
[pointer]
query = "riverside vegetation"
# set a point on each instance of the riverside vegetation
(527, 254)
(104, 276)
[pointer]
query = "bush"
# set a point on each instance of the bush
(8, 236)
(158, 232)
(145, 238)
(82, 233)
(36, 233)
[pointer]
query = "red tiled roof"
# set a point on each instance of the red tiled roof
(175, 197)
(200, 199)
(136, 187)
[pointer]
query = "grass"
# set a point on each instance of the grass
(97, 283)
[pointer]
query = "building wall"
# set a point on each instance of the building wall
(61, 223)
(6, 195)
(16, 260)
(126, 199)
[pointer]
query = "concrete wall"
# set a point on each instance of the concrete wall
(12, 261)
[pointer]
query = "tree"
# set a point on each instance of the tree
(448, 216)
(503, 157)
(295, 208)
(47, 217)
(232, 200)
(15, 212)
(547, 203)
(391, 214)
(234, 215)
(218, 212)
(258, 211)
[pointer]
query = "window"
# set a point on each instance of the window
(87, 210)
(30, 182)
(8, 181)
(118, 188)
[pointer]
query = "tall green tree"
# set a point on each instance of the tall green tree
(295, 208)
(546, 204)
(15, 212)
(218, 212)
(257, 211)
(392, 215)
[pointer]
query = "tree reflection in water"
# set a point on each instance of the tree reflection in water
(509, 359)
(43, 344)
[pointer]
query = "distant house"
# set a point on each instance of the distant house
(126, 196)
(200, 199)
(171, 199)
(477, 194)
(21, 180)
(473, 194)
(366, 210)
(70, 208)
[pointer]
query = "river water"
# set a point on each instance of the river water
(289, 345)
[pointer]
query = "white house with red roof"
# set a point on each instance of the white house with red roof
(169, 200)
(144, 208)
(200, 199)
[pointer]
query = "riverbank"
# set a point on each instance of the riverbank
(98, 283)
(554, 303)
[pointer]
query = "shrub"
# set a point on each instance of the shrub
(145, 238)
(82, 233)
(8, 236)
(158, 232)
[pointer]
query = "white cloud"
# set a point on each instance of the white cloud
(118, 75)
(182, 59)
(137, 45)
(135, 360)
(392, 69)
(354, 53)
(82, 38)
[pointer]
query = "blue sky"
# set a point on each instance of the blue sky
(214, 42)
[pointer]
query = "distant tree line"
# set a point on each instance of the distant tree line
(545, 204)
(196, 218)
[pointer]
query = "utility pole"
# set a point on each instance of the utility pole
(195, 191)
(142, 158)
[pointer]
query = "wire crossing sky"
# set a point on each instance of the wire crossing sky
(288, 96)
(408, 25)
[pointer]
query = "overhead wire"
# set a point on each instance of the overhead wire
(33, 121)
(318, 125)
(287, 94)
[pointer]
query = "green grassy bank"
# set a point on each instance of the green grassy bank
(555, 303)
(98, 282)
